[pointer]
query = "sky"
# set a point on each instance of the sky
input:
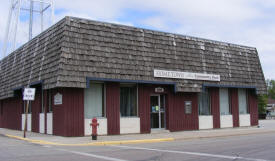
(244, 22)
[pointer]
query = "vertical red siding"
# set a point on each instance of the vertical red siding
(234, 106)
(68, 118)
(36, 107)
(144, 108)
(46, 106)
(215, 106)
(167, 107)
(178, 120)
(1, 115)
(253, 108)
(59, 112)
(11, 117)
(113, 108)
(170, 104)
(75, 112)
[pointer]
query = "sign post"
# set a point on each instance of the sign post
(28, 96)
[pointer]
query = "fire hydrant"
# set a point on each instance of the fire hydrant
(94, 125)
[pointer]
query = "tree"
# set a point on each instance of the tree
(271, 88)
(263, 99)
(262, 102)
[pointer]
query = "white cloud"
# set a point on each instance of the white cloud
(103, 9)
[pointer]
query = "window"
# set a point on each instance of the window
(204, 103)
(224, 102)
(128, 101)
(94, 101)
(242, 96)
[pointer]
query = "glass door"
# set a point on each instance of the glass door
(157, 111)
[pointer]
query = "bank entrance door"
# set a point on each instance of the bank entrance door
(157, 111)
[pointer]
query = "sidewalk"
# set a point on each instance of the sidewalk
(267, 126)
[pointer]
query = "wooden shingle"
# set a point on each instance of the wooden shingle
(74, 49)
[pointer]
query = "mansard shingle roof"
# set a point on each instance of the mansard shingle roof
(74, 49)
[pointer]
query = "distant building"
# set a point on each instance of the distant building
(133, 80)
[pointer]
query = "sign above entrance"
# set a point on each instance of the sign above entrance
(58, 99)
(29, 94)
(185, 75)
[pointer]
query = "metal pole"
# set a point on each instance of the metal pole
(7, 30)
(16, 22)
(26, 118)
(52, 5)
(41, 14)
(159, 112)
(31, 20)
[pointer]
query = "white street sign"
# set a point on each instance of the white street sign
(29, 94)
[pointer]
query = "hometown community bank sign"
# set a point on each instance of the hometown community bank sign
(185, 75)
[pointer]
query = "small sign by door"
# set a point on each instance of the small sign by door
(29, 94)
(188, 107)
(159, 90)
(58, 99)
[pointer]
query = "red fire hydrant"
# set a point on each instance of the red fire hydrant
(94, 125)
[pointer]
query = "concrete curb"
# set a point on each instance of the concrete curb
(226, 135)
(102, 143)
(42, 142)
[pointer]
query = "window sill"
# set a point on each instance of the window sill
(129, 117)
(99, 117)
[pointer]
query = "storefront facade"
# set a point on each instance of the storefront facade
(132, 80)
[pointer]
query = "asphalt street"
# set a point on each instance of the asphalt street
(248, 147)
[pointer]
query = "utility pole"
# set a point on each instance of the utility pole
(31, 19)
(46, 10)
